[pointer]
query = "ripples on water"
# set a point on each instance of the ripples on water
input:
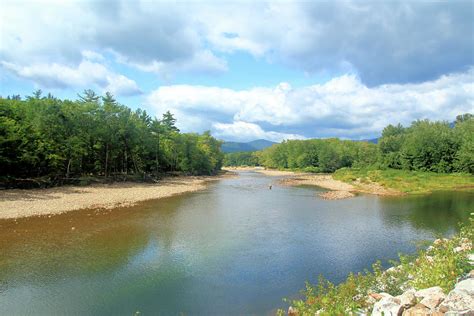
(235, 248)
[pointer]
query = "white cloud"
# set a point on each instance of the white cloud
(92, 56)
(121, 85)
(202, 62)
(383, 42)
(152, 36)
(341, 107)
(85, 75)
(243, 131)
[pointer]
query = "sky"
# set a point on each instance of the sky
(248, 70)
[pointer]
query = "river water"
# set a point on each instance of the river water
(235, 248)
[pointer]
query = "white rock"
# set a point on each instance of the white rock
(458, 301)
(431, 297)
(466, 285)
(387, 306)
(417, 310)
(463, 313)
(435, 290)
(432, 301)
(407, 298)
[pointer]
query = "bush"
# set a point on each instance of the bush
(442, 264)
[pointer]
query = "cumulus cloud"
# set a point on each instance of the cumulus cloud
(85, 75)
(342, 107)
(243, 131)
(382, 42)
(202, 62)
(152, 36)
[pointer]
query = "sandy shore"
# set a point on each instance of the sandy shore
(339, 189)
(34, 202)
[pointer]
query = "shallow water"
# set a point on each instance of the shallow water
(235, 248)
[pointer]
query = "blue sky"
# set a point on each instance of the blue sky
(247, 70)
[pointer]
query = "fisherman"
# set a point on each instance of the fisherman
(270, 186)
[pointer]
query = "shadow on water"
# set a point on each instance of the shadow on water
(234, 248)
(439, 213)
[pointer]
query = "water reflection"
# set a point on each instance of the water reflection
(235, 248)
(439, 213)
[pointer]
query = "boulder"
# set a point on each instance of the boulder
(464, 313)
(431, 297)
(387, 306)
(417, 310)
(432, 301)
(407, 298)
(458, 300)
(429, 292)
(466, 285)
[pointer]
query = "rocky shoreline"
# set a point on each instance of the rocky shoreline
(429, 301)
(425, 301)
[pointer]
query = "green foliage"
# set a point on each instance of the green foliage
(413, 182)
(45, 136)
(318, 155)
(464, 133)
(442, 264)
(430, 146)
(390, 145)
(424, 146)
(241, 159)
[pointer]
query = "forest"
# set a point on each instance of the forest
(434, 146)
(43, 136)
(96, 136)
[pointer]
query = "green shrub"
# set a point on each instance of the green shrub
(442, 264)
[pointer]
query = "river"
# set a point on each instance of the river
(235, 248)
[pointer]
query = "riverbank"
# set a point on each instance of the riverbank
(345, 182)
(438, 280)
(17, 203)
(406, 182)
(338, 189)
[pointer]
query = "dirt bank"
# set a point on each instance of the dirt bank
(24, 203)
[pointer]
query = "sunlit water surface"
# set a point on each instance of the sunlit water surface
(235, 248)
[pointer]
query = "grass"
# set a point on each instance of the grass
(441, 264)
(412, 182)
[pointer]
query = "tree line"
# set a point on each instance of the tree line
(435, 146)
(96, 135)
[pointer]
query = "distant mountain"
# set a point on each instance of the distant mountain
(259, 144)
(372, 140)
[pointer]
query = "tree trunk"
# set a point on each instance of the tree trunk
(126, 161)
(106, 158)
(68, 168)
(157, 154)
(134, 164)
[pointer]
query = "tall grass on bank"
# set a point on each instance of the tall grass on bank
(415, 182)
